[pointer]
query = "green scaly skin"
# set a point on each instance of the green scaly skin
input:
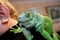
(43, 24)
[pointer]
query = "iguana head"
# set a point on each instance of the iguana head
(27, 19)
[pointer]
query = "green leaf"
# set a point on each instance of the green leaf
(16, 30)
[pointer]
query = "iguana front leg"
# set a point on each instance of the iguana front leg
(47, 29)
(44, 33)
(46, 23)
(55, 36)
(27, 34)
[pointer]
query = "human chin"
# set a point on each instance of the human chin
(3, 27)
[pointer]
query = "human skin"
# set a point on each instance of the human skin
(6, 22)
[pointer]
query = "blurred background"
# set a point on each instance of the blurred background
(49, 8)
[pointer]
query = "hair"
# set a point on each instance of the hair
(13, 11)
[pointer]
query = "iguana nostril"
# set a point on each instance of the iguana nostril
(20, 17)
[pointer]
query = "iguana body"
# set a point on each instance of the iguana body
(43, 24)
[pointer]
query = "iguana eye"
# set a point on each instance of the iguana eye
(28, 15)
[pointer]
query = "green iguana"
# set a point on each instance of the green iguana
(43, 25)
